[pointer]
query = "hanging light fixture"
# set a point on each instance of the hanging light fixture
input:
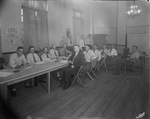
(134, 9)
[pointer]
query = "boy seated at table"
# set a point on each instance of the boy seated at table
(32, 58)
(45, 56)
(64, 51)
(53, 52)
(16, 61)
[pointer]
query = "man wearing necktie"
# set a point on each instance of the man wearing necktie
(45, 56)
(64, 51)
(32, 58)
(53, 52)
(75, 62)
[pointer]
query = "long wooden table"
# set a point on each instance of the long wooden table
(27, 73)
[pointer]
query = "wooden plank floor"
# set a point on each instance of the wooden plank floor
(108, 97)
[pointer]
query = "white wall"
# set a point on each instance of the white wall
(111, 18)
(105, 19)
(11, 17)
(60, 17)
(139, 26)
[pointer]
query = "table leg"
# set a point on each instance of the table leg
(49, 82)
(3, 89)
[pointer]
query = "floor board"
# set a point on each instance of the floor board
(108, 97)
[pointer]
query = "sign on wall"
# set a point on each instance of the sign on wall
(11, 39)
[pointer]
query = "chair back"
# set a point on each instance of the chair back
(2, 60)
(80, 70)
(93, 63)
(86, 68)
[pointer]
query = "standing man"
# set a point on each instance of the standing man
(82, 42)
(89, 39)
(75, 62)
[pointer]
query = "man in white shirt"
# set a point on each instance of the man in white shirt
(32, 57)
(104, 52)
(45, 56)
(113, 51)
(88, 54)
(17, 59)
(89, 40)
(53, 52)
(82, 42)
(134, 55)
(112, 56)
(97, 52)
(64, 51)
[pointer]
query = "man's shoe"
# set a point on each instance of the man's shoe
(67, 85)
(62, 85)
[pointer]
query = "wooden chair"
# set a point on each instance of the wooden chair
(136, 67)
(93, 66)
(101, 62)
(79, 77)
(2, 61)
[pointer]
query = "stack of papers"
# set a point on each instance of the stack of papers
(5, 74)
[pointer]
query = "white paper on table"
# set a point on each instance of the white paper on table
(5, 74)
(40, 62)
(28, 67)
(64, 61)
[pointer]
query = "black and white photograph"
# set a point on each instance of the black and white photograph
(74, 59)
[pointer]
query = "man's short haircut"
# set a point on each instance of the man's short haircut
(45, 47)
(31, 47)
(65, 44)
(19, 48)
(53, 44)
(135, 46)
(87, 45)
(76, 45)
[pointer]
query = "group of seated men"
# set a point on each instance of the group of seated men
(18, 60)
(76, 59)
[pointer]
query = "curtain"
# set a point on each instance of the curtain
(35, 28)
